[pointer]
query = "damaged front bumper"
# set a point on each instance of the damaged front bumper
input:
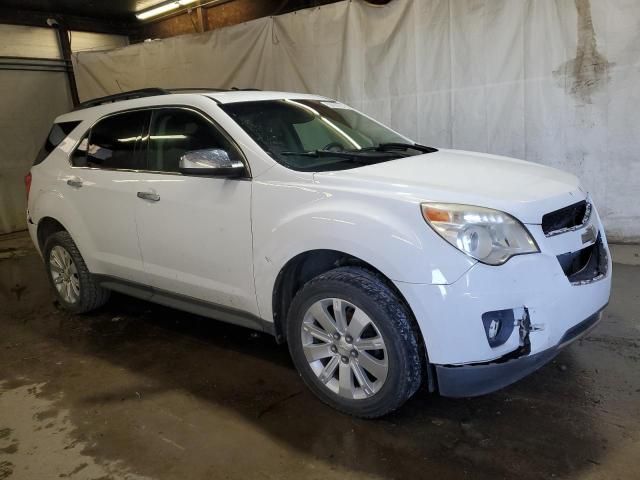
(481, 378)
(495, 325)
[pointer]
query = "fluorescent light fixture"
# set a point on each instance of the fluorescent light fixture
(164, 8)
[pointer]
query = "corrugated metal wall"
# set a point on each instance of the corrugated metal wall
(29, 101)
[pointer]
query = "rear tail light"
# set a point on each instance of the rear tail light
(27, 183)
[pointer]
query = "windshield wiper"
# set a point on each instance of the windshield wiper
(366, 156)
(385, 147)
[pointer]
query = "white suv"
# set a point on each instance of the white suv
(383, 263)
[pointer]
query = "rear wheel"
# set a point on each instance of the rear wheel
(353, 342)
(75, 287)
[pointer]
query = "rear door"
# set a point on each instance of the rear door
(103, 184)
(195, 231)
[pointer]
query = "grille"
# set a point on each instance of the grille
(567, 218)
(586, 265)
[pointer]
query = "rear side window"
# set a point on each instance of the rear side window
(115, 143)
(58, 132)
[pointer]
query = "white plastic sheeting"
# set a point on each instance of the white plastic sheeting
(551, 81)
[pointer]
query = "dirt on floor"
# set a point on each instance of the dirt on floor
(137, 391)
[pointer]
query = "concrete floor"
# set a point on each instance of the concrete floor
(141, 391)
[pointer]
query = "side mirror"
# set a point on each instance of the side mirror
(213, 162)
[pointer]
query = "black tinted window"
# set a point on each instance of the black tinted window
(292, 130)
(175, 131)
(115, 142)
(58, 132)
(79, 155)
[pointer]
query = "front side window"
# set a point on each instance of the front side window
(175, 131)
(115, 142)
(318, 135)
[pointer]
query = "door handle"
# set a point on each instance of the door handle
(74, 182)
(154, 197)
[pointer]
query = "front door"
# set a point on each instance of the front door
(195, 232)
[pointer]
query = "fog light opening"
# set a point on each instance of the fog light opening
(498, 326)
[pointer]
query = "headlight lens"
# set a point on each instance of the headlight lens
(488, 235)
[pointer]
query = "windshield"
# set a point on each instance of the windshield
(319, 135)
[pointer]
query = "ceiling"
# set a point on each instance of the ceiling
(118, 10)
(118, 16)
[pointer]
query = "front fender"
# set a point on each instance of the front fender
(387, 233)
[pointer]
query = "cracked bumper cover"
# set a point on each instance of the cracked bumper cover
(482, 378)
(559, 308)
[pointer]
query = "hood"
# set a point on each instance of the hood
(523, 189)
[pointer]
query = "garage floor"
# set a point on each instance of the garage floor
(141, 391)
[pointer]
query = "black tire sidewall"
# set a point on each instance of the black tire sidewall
(401, 351)
(64, 240)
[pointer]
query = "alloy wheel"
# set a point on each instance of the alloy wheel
(344, 348)
(64, 274)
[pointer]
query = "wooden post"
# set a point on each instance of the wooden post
(65, 51)
(203, 21)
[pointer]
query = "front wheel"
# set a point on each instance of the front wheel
(353, 342)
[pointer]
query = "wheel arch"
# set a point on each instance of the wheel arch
(307, 265)
(303, 267)
(47, 226)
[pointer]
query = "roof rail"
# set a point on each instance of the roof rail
(141, 93)
(151, 92)
(195, 89)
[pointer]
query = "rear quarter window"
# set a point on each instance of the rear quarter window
(58, 132)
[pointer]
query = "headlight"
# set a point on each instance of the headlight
(490, 236)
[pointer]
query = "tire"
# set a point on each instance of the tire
(362, 297)
(88, 295)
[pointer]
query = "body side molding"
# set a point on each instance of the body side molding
(185, 303)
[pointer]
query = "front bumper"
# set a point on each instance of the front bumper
(480, 379)
(535, 287)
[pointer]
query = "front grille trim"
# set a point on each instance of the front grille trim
(549, 231)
